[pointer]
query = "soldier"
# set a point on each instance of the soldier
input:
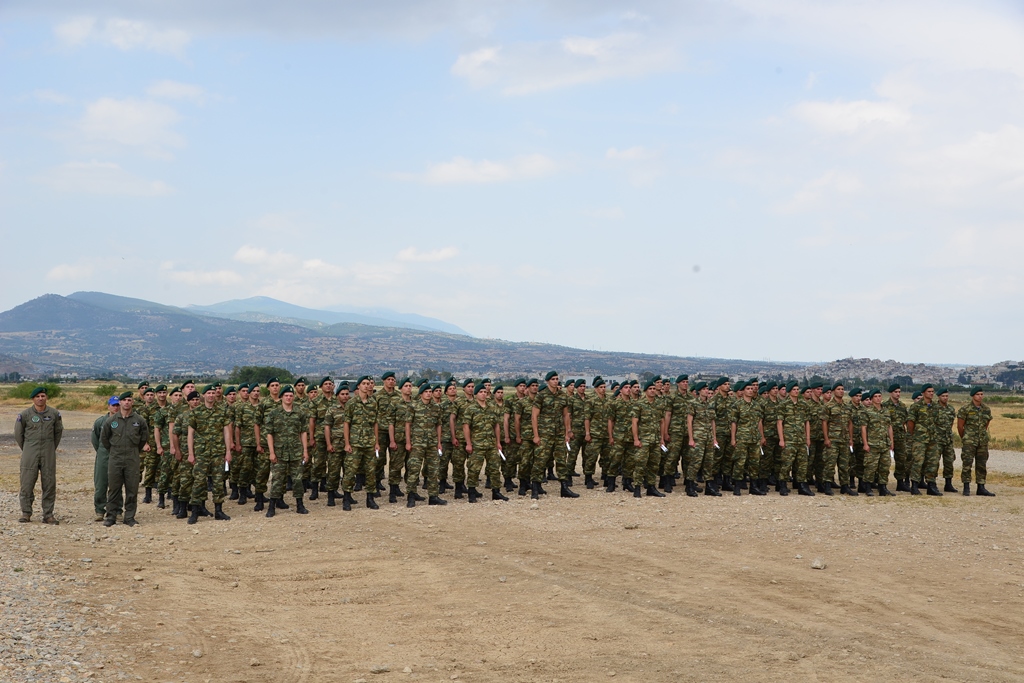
(972, 422)
(168, 462)
(722, 403)
(262, 469)
(482, 434)
(247, 420)
(677, 438)
(745, 437)
(37, 431)
(449, 437)
(399, 454)
(362, 450)
(158, 421)
(551, 423)
(230, 409)
(794, 432)
(209, 448)
(857, 408)
(334, 442)
(700, 428)
(150, 461)
(387, 402)
(287, 428)
(421, 423)
(770, 448)
(836, 426)
(317, 408)
(814, 408)
(125, 435)
(924, 449)
(510, 466)
(182, 482)
(945, 416)
(877, 437)
(524, 439)
(577, 410)
(99, 470)
(646, 426)
(595, 435)
(898, 415)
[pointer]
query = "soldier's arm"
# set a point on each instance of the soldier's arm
(824, 429)
(465, 434)
(760, 430)
(452, 429)
(807, 431)
(94, 437)
(238, 437)
(270, 447)
(105, 434)
(892, 441)
(586, 429)
(782, 435)
(497, 436)
(636, 431)
(408, 435)
(732, 432)
(665, 419)
(438, 428)
(519, 421)
(58, 430)
(864, 437)
(567, 421)
(534, 414)
(344, 431)
(611, 430)
(504, 422)
(305, 447)
(910, 426)
(689, 428)
(960, 424)
(191, 442)
(227, 443)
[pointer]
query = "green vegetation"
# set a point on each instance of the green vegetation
(259, 373)
(24, 390)
(1003, 399)
(105, 390)
(1014, 416)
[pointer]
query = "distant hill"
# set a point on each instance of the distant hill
(266, 309)
(94, 333)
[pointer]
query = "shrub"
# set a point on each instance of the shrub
(105, 390)
(24, 390)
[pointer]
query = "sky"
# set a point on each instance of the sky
(788, 180)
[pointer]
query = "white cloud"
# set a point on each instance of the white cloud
(50, 96)
(173, 90)
(850, 117)
(101, 177)
(526, 68)
(829, 185)
(462, 170)
(414, 255)
(221, 277)
(132, 123)
(258, 256)
(321, 268)
(67, 271)
(124, 34)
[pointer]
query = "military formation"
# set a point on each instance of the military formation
(260, 443)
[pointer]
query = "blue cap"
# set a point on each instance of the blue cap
(114, 401)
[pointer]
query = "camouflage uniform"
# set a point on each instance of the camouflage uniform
(723, 404)
(319, 455)
(449, 407)
(596, 410)
(859, 418)
(746, 458)
(527, 449)
(701, 456)
(243, 468)
(423, 420)
(898, 415)
(817, 458)
(621, 460)
(876, 461)
(209, 450)
(161, 420)
(794, 430)
(837, 413)
(387, 405)
(182, 481)
(262, 476)
(459, 455)
(150, 460)
(396, 463)
(975, 451)
(924, 446)
(287, 428)
(510, 466)
(945, 416)
(772, 457)
(680, 405)
(578, 446)
(335, 419)
(551, 425)
(481, 422)
(360, 417)
(647, 463)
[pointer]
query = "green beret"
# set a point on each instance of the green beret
(466, 383)
(916, 395)
(243, 386)
(148, 390)
(325, 380)
(341, 386)
(192, 395)
(486, 380)
(942, 390)
(581, 383)
(837, 385)
(656, 378)
(530, 382)
(871, 394)
(216, 384)
(521, 380)
(161, 387)
(478, 387)
(740, 386)
(753, 380)
(37, 391)
(816, 385)
(404, 381)
(301, 380)
(551, 375)
(570, 382)
(361, 379)
(926, 387)
(893, 387)
(722, 380)
(976, 390)
(287, 389)
(763, 390)
(771, 385)
(700, 385)
(230, 390)
(175, 390)
(598, 383)
(498, 387)
(682, 378)
(805, 389)
(792, 385)
(387, 374)
(615, 393)
(634, 382)
(123, 396)
(594, 383)
(143, 383)
(208, 387)
(648, 384)
(856, 391)
(272, 380)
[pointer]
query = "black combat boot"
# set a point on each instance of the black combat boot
(540, 488)
(393, 493)
(551, 474)
(473, 494)
(710, 488)
(691, 488)
(371, 504)
(300, 509)
(847, 491)
(755, 488)
(827, 488)
(243, 495)
(360, 481)
(496, 494)
(772, 481)
(161, 503)
(346, 501)
(670, 480)
(234, 492)
(148, 498)
(743, 483)
(218, 512)
(867, 490)
(323, 485)
(203, 512)
(967, 488)
(509, 484)
(460, 489)
(443, 486)
(330, 499)
(260, 500)
(281, 505)
(567, 492)
(883, 490)
(627, 484)
(434, 500)
(610, 485)
(194, 517)
(802, 489)
(305, 486)
(271, 507)
(914, 489)
(524, 486)
(982, 491)
(901, 485)
(183, 509)
(313, 488)
(534, 490)
(783, 489)
(588, 481)
(410, 501)
(637, 492)
(949, 488)
(727, 483)
(933, 489)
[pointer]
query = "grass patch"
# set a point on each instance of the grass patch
(25, 389)
(1004, 399)
(106, 390)
(1014, 416)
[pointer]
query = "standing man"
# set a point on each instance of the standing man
(334, 441)
(422, 431)
(595, 426)
(877, 438)
(209, 447)
(795, 441)
(700, 425)
(745, 438)
(524, 438)
(99, 470)
(921, 427)
(125, 435)
(387, 400)
(972, 425)
(945, 416)
(648, 438)
(37, 431)
(551, 420)
(362, 450)
(482, 434)
(836, 426)
(288, 441)
(898, 418)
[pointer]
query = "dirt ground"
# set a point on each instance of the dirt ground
(600, 588)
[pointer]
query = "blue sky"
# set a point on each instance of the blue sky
(787, 180)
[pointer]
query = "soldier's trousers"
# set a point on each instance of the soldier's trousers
(788, 459)
(424, 457)
(579, 449)
(150, 466)
(701, 456)
(183, 479)
(209, 463)
(552, 450)
(396, 464)
(34, 467)
(876, 464)
(617, 458)
(510, 465)
(527, 450)
(646, 464)
(742, 455)
(480, 456)
(445, 459)
(459, 463)
(243, 466)
(164, 478)
(592, 452)
(900, 454)
(123, 473)
(723, 455)
(261, 471)
(317, 469)
(334, 460)
(857, 460)
(754, 462)
(817, 464)
(670, 460)
(923, 455)
(836, 455)
(948, 456)
(289, 465)
(976, 458)
(600, 452)
(771, 459)
(799, 453)
(99, 481)
(362, 460)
